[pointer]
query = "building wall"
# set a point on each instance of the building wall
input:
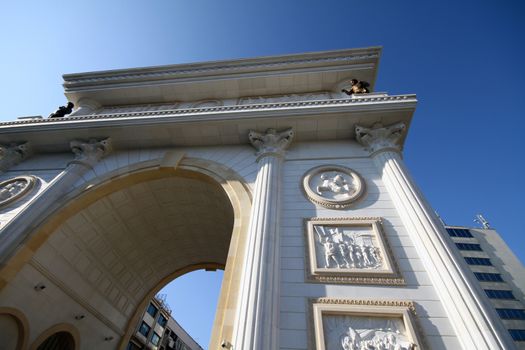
(296, 322)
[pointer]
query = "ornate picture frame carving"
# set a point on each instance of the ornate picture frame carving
(349, 250)
(333, 186)
(15, 188)
(343, 323)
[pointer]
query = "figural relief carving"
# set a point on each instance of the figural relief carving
(349, 250)
(351, 324)
(284, 98)
(332, 186)
(357, 333)
(15, 188)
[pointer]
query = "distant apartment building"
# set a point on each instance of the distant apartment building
(157, 330)
(499, 273)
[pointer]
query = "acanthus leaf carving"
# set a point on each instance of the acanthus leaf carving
(378, 138)
(271, 142)
(13, 154)
(90, 152)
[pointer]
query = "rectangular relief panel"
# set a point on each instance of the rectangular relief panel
(349, 324)
(349, 250)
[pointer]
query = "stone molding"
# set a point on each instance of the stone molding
(377, 100)
(271, 142)
(13, 154)
(312, 195)
(367, 302)
(379, 138)
(173, 72)
(390, 275)
(89, 152)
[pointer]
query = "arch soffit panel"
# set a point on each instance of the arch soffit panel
(84, 195)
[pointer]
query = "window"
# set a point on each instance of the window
(155, 338)
(469, 246)
(144, 329)
(511, 314)
(152, 310)
(459, 232)
(517, 334)
(488, 277)
(499, 294)
(162, 320)
(478, 261)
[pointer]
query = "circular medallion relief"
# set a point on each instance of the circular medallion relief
(333, 186)
(15, 188)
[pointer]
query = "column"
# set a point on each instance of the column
(475, 322)
(13, 154)
(87, 154)
(257, 319)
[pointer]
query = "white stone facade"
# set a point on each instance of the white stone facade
(182, 176)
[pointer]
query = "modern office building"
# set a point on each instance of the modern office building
(287, 172)
(158, 330)
(499, 273)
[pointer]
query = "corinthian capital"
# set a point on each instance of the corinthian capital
(90, 152)
(13, 154)
(380, 138)
(272, 142)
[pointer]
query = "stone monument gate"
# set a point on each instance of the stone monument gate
(261, 167)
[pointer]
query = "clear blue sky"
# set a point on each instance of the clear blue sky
(464, 60)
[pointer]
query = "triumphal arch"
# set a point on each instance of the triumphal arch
(262, 167)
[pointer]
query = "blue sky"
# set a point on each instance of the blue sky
(464, 60)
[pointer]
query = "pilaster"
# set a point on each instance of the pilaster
(475, 322)
(257, 321)
(87, 154)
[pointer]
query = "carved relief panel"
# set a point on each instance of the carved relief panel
(13, 189)
(349, 250)
(365, 324)
(333, 186)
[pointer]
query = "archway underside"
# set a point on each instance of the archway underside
(122, 247)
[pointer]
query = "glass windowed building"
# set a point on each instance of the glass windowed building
(157, 330)
(497, 271)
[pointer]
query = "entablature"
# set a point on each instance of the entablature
(312, 120)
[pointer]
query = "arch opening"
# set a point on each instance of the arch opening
(58, 341)
(116, 245)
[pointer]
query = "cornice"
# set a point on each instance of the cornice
(192, 114)
(271, 63)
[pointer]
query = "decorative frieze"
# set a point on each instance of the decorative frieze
(314, 96)
(350, 324)
(333, 186)
(349, 250)
(178, 109)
